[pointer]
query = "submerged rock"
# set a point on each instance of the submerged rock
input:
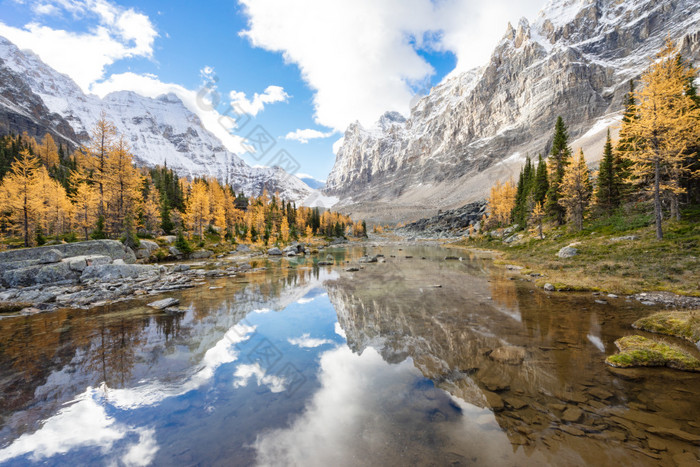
(508, 354)
(201, 254)
(164, 303)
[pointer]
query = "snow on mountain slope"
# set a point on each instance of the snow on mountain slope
(159, 131)
(574, 60)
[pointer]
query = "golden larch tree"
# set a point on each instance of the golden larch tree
(576, 191)
(86, 202)
(665, 126)
(18, 194)
(48, 151)
(122, 187)
(197, 207)
(150, 208)
(284, 229)
(97, 154)
(536, 218)
(217, 205)
(501, 202)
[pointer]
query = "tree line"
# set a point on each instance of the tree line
(655, 158)
(98, 192)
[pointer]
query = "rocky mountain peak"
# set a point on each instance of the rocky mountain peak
(36, 98)
(575, 60)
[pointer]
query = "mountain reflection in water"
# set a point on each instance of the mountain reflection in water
(413, 361)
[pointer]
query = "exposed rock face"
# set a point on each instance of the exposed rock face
(575, 60)
(21, 110)
(67, 263)
(112, 248)
(451, 223)
(111, 272)
(36, 98)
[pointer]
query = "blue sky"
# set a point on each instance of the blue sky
(315, 65)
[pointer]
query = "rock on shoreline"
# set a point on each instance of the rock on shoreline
(88, 274)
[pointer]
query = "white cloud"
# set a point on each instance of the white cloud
(307, 342)
(355, 54)
(83, 423)
(360, 57)
(255, 105)
(45, 9)
(245, 372)
(341, 422)
(119, 33)
(303, 136)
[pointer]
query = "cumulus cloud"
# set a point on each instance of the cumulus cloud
(340, 422)
(255, 105)
(308, 342)
(246, 372)
(119, 33)
(355, 54)
(303, 136)
(361, 57)
(84, 423)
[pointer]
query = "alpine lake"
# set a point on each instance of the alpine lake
(416, 360)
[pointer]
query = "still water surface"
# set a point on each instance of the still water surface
(308, 365)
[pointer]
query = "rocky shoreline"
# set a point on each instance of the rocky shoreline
(99, 272)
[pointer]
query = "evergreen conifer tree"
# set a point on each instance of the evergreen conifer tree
(559, 159)
(541, 183)
(607, 195)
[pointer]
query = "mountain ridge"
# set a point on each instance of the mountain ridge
(474, 128)
(160, 130)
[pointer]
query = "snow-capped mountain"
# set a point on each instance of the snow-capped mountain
(37, 98)
(575, 60)
(314, 183)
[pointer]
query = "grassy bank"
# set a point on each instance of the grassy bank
(606, 265)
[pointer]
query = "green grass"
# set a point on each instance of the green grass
(646, 264)
(638, 351)
(683, 324)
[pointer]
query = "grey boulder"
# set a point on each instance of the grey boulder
(50, 256)
(111, 272)
(567, 252)
(146, 249)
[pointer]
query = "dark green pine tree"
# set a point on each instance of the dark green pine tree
(608, 189)
(558, 160)
(541, 183)
(624, 145)
(523, 193)
(166, 222)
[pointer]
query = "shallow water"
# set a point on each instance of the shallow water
(300, 364)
